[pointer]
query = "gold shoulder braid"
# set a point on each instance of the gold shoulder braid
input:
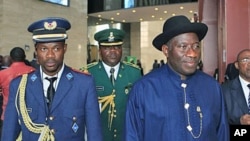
(108, 100)
(85, 68)
(42, 129)
(131, 64)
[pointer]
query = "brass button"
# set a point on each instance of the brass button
(51, 118)
(53, 131)
(115, 135)
(115, 130)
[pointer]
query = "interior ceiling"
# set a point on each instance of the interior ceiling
(148, 13)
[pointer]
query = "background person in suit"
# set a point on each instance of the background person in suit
(31, 110)
(236, 92)
(231, 72)
(112, 97)
(155, 64)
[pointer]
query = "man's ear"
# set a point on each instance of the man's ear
(236, 64)
(164, 49)
(65, 47)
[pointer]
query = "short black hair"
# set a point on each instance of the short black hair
(17, 54)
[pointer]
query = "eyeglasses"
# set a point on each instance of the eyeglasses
(245, 60)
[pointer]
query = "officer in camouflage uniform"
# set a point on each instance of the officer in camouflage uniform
(112, 95)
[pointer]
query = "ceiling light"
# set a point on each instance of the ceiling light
(160, 18)
(190, 11)
(100, 19)
(133, 11)
(165, 12)
(99, 16)
(112, 18)
(118, 14)
(123, 21)
(156, 9)
(141, 19)
(173, 14)
(181, 7)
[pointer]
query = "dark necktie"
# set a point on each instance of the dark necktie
(50, 90)
(112, 77)
(248, 100)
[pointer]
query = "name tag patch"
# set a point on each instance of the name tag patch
(100, 88)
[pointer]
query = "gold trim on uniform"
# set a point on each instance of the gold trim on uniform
(45, 133)
(132, 65)
(85, 68)
(111, 37)
(49, 36)
(111, 44)
(108, 101)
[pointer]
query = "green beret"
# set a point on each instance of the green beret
(110, 37)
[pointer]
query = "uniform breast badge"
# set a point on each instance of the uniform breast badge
(126, 91)
(75, 127)
(127, 88)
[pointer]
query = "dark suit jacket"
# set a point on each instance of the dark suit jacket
(235, 100)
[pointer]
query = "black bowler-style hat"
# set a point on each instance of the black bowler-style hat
(51, 29)
(178, 25)
(110, 37)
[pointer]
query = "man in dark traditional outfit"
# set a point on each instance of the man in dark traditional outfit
(177, 102)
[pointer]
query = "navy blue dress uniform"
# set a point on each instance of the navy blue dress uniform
(74, 111)
(113, 98)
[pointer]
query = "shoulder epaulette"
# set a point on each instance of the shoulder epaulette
(131, 64)
(81, 71)
(31, 70)
(91, 65)
(27, 72)
(85, 68)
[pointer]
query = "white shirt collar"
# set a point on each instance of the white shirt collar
(245, 89)
(46, 82)
(107, 69)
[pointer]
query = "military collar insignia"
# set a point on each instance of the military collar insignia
(75, 127)
(111, 37)
(50, 26)
(69, 76)
(100, 66)
(33, 77)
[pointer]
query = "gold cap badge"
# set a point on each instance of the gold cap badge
(50, 26)
(111, 37)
